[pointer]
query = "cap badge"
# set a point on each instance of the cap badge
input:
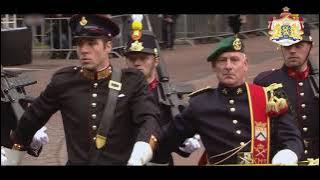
(136, 46)
(237, 44)
(83, 21)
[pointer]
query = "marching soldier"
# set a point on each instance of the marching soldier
(300, 79)
(108, 115)
(143, 55)
(237, 121)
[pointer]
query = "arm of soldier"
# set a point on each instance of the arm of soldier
(177, 131)
(37, 114)
(289, 139)
(146, 114)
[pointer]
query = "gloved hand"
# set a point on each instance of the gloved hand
(41, 138)
(191, 144)
(141, 154)
(3, 157)
(285, 157)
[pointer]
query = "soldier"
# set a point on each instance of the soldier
(146, 59)
(169, 29)
(108, 115)
(9, 123)
(296, 75)
(235, 118)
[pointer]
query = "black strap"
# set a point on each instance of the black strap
(108, 114)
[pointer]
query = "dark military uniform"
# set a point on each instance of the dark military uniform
(81, 96)
(148, 46)
(302, 102)
(81, 99)
(221, 117)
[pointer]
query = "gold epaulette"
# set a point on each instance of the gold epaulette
(199, 91)
(309, 162)
(275, 105)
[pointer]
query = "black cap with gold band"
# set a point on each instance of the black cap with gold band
(92, 25)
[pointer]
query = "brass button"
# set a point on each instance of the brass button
(94, 127)
(305, 151)
(300, 83)
(303, 105)
(241, 143)
(238, 131)
(75, 68)
(302, 94)
(94, 95)
(305, 129)
(234, 121)
(93, 105)
(81, 70)
(304, 117)
(95, 85)
(94, 138)
(94, 116)
(232, 109)
(231, 101)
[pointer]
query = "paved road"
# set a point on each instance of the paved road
(185, 64)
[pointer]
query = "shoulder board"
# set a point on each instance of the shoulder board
(69, 69)
(263, 75)
(199, 91)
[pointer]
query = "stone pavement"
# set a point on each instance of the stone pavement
(186, 64)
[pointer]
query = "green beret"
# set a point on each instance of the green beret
(229, 44)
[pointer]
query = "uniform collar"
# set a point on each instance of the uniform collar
(297, 75)
(232, 91)
(153, 84)
(93, 75)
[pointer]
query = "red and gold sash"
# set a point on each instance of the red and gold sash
(260, 124)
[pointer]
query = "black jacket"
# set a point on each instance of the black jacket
(303, 103)
(81, 102)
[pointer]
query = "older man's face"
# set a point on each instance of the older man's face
(231, 68)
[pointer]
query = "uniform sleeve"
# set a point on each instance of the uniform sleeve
(177, 131)
(37, 114)
(145, 112)
(287, 134)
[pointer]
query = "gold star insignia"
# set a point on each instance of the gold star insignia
(239, 91)
(136, 46)
(224, 91)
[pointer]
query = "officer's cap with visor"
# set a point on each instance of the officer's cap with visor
(92, 26)
(229, 44)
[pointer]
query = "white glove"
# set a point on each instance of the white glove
(3, 157)
(191, 144)
(285, 157)
(41, 138)
(141, 154)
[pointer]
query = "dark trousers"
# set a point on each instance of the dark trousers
(168, 34)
